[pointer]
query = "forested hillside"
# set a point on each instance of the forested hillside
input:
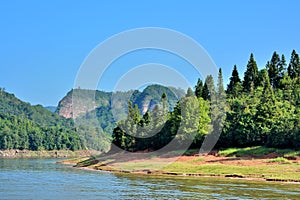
(23, 126)
(263, 108)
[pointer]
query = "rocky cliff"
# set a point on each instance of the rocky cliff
(79, 102)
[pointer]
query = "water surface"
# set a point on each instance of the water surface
(43, 179)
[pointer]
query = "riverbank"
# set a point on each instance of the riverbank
(15, 153)
(269, 167)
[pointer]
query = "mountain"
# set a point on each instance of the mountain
(105, 109)
(33, 127)
(151, 96)
(90, 100)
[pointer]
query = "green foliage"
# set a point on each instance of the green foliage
(23, 126)
(294, 65)
(251, 75)
(258, 151)
(234, 87)
(263, 111)
(188, 122)
(199, 88)
(276, 69)
(279, 160)
(205, 92)
(21, 133)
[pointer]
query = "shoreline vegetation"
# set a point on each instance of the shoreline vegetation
(256, 163)
(16, 153)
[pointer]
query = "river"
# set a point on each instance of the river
(43, 179)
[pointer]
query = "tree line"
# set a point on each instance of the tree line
(263, 109)
(21, 133)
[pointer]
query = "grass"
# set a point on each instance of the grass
(279, 160)
(276, 171)
(286, 172)
(277, 168)
(258, 151)
(198, 159)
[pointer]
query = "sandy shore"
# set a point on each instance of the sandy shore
(193, 166)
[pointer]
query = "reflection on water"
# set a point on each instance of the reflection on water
(43, 179)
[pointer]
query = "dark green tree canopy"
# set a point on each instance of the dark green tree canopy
(205, 92)
(234, 79)
(276, 68)
(199, 88)
(251, 75)
(294, 65)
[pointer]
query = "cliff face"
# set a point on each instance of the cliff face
(65, 107)
(80, 102)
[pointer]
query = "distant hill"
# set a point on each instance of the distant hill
(23, 126)
(33, 127)
(51, 108)
(151, 96)
(11, 105)
(89, 100)
(107, 108)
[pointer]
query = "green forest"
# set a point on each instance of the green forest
(32, 127)
(23, 126)
(262, 109)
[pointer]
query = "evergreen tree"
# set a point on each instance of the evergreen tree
(218, 115)
(221, 91)
(189, 92)
(199, 88)
(209, 90)
(251, 74)
(294, 65)
(189, 124)
(205, 92)
(276, 69)
(234, 79)
(136, 114)
(282, 67)
(164, 100)
(268, 94)
(264, 117)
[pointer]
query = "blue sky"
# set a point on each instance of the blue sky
(43, 43)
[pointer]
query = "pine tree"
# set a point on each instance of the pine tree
(220, 85)
(164, 100)
(251, 74)
(276, 69)
(234, 79)
(130, 110)
(264, 116)
(205, 92)
(136, 114)
(221, 103)
(208, 88)
(199, 88)
(282, 67)
(294, 65)
(268, 93)
(189, 92)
